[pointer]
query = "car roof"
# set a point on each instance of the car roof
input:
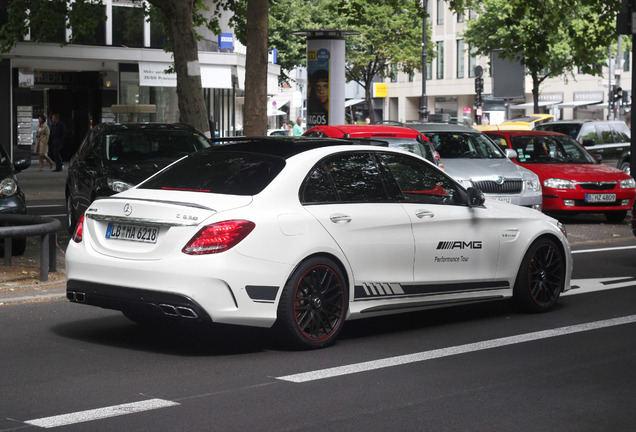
(357, 131)
(285, 146)
(530, 118)
(113, 127)
(524, 133)
(442, 127)
(580, 122)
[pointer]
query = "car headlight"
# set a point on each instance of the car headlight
(628, 183)
(8, 187)
(533, 185)
(555, 183)
(118, 185)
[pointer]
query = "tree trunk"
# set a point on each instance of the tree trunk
(255, 109)
(535, 91)
(180, 26)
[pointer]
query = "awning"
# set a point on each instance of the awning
(152, 74)
(579, 103)
(275, 112)
(353, 102)
(531, 104)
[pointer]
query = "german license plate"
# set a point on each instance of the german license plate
(138, 233)
(502, 199)
(600, 198)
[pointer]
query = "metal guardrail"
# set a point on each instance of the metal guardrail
(17, 225)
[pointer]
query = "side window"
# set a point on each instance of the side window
(588, 132)
(605, 133)
(499, 140)
(420, 182)
(356, 177)
(621, 133)
(318, 188)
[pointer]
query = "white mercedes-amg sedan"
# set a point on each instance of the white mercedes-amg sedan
(301, 234)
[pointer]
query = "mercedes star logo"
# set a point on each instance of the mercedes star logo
(127, 209)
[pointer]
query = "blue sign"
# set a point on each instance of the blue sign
(226, 41)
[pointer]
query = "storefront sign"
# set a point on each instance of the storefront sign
(26, 77)
(226, 41)
(154, 75)
(380, 90)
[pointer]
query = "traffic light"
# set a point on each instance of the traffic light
(617, 93)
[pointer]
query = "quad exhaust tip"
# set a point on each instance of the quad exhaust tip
(178, 311)
(76, 296)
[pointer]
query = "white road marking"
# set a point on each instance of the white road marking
(582, 286)
(603, 249)
(101, 413)
(445, 352)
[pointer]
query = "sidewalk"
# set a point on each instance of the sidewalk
(20, 282)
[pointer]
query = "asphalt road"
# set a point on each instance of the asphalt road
(474, 368)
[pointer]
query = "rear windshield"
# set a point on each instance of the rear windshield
(460, 145)
(125, 146)
(410, 145)
(221, 172)
(571, 129)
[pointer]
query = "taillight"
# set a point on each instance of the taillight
(79, 230)
(218, 237)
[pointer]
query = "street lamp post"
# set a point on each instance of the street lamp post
(424, 100)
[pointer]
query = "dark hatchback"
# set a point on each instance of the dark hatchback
(115, 157)
(11, 196)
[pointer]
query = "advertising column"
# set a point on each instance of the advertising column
(326, 83)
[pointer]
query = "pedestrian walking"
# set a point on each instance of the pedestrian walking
(42, 142)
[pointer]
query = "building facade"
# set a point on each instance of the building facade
(450, 85)
(117, 74)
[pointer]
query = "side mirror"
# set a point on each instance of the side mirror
(21, 164)
(511, 154)
(476, 197)
(588, 142)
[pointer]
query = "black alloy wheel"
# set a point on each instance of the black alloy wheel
(541, 277)
(312, 307)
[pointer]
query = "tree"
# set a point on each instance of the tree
(553, 36)
(255, 108)
(396, 47)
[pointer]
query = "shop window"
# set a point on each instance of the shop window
(94, 34)
(128, 26)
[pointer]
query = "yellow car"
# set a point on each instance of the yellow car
(501, 127)
(530, 120)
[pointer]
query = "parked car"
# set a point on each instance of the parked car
(12, 199)
(608, 139)
(302, 234)
(573, 180)
(396, 136)
(114, 157)
(472, 158)
(530, 121)
(277, 132)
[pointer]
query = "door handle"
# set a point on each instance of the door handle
(340, 218)
(424, 214)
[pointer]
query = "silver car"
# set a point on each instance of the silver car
(473, 159)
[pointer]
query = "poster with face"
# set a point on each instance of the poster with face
(318, 62)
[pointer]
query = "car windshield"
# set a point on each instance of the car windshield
(126, 146)
(548, 149)
(219, 171)
(456, 145)
(571, 129)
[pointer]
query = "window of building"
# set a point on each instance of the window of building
(460, 18)
(95, 35)
(158, 35)
(429, 71)
(472, 62)
(128, 26)
(394, 73)
(460, 58)
(440, 60)
(626, 61)
(440, 11)
(42, 33)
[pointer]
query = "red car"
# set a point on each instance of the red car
(396, 136)
(572, 180)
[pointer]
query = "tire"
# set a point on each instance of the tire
(626, 167)
(616, 216)
(71, 219)
(313, 305)
(541, 277)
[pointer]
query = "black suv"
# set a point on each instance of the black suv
(114, 157)
(610, 139)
